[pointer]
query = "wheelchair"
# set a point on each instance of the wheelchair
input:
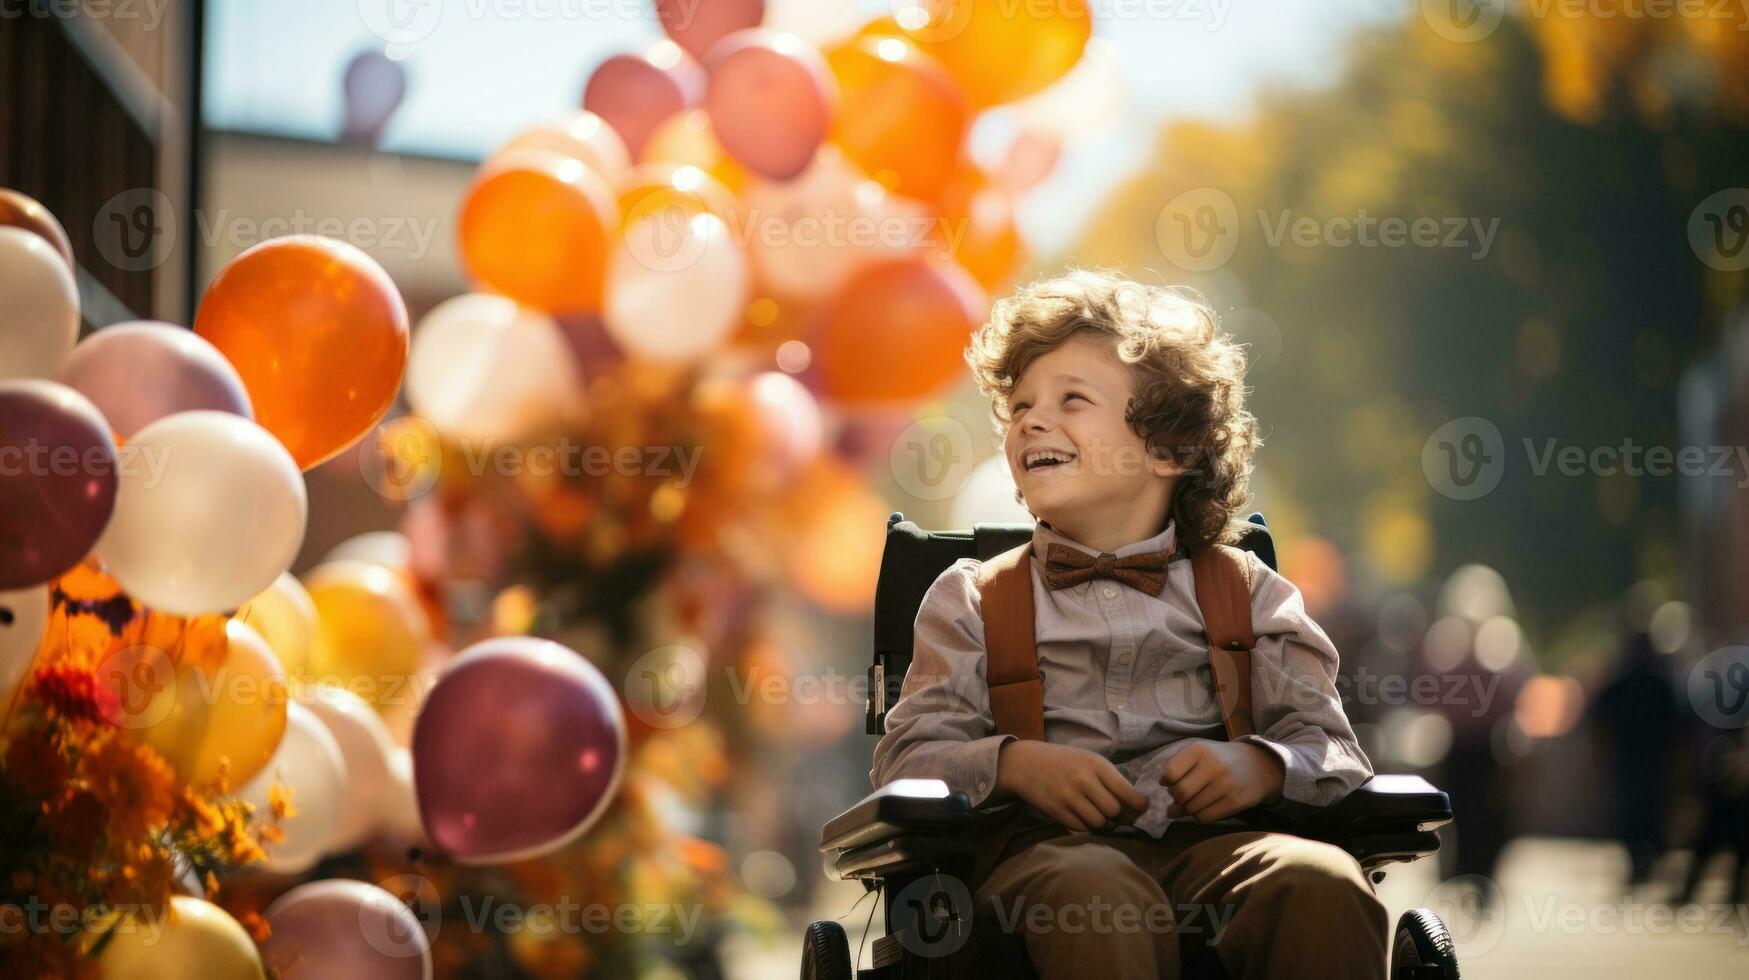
(911, 842)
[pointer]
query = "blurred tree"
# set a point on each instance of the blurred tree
(1559, 303)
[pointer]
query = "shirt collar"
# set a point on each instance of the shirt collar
(1043, 536)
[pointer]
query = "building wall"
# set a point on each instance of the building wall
(96, 125)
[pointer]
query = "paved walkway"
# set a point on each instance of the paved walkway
(1558, 913)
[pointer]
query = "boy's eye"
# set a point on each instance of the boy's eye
(1074, 394)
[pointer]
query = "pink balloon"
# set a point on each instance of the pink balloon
(517, 750)
(697, 24)
(346, 928)
(771, 99)
(636, 93)
(137, 373)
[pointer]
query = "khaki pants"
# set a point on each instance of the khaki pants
(1266, 904)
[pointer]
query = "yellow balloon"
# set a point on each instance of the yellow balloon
(286, 618)
(225, 702)
(370, 631)
(194, 938)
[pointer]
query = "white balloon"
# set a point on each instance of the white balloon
(482, 367)
(310, 765)
(793, 414)
(988, 497)
(209, 510)
(809, 235)
(390, 549)
(23, 615)
(39, 306)
(581, 136)
(398, 814)
(820, 22)
(676, 291)
(365, 745)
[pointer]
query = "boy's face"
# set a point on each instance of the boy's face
(1073, 400)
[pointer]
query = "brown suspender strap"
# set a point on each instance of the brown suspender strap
(1017, 698)
(1223, 591)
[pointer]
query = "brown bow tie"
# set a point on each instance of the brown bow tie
(1066, 566)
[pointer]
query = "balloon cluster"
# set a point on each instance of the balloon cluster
(737, 183)
(151, 504)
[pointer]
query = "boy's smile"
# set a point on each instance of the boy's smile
(1074, 455)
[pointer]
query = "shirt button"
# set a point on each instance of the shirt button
(1109, 592)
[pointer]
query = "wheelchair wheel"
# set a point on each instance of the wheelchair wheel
(826, 952)
(1423, 949)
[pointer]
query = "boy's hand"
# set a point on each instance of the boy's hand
(1079, 789)
(1211, 780)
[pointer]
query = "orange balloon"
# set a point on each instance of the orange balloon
(897, 331)
(835, 530)
(881, 27)
(998, 50)
(688, 139)
(902, 119)
(318, 333)
(21, 211)
(662, 190)
(977, 230)
(536, 227)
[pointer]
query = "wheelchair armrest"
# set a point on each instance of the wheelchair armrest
(1386, 819)
(903, 807)
(1392, 804)
(899, 855)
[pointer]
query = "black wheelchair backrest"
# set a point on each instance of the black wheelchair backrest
(911, 562)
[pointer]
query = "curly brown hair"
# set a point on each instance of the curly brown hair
(1186, 374)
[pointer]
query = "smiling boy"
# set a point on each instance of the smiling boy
(1123, 420)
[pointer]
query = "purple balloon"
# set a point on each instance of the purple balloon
(57, 480)
(137, 373)
(345, 928)
(374, 87)
(517, 750)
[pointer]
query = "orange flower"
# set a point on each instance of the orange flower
(254, 924)
(702, 855)
(279, 798)
(201, 815)
(244, 848)
(134, 783)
